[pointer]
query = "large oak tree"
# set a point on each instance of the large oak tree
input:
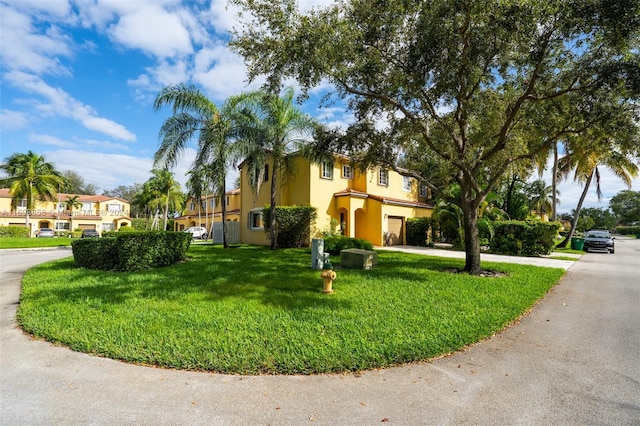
(471, 83)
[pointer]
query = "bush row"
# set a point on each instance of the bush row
(13, 231)
(293, 224)
(628, 230)
(335, 244)
(131, 251)
(520, 238)
(417, 228)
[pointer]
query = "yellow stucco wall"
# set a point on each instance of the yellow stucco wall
(364, 213)
(208, 212)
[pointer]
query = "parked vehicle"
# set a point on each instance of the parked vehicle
(599, 240)
(45, 233)
(90, 233)
(197, 232)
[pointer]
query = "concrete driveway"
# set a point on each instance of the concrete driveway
(573, 360)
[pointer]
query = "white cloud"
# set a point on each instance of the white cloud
(22, 48)
(58, 8)
(104, 170)
(152, 29)
(50, 140)
(221, 72)
(13, 119)
(59, 103)
(221, 16)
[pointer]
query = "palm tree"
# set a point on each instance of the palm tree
(70, 204)
(540, 197)
(195, 115)
(586, 164)
(271, 127)
(29, 178)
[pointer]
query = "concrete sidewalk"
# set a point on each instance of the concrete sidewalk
(536, 261)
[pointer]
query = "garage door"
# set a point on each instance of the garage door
(394, 226)
(83, 226)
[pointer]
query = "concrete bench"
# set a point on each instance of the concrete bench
(358, 259)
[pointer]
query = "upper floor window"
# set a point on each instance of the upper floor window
(192, 206)
(347, 171)
(406, 184)
(213, 203)
(86, 207)
(62, 207)
(327, 170)
(423, 190)
(22, 204)
(383, 177)
(266, 173)
(114, 207)
(228, 199)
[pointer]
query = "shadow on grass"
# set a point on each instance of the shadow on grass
(282, 278)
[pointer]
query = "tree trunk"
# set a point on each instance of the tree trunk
(166, 212)
(272, 209)
(223, 214)
(471, 237)
(574, 222)
(554, 184)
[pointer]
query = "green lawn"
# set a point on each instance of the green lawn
(16, 242)
(252, 311)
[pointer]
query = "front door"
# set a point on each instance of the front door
(395, 234)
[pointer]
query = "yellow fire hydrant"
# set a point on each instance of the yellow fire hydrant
(328, 275)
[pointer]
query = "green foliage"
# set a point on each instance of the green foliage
(131, 251)
(334, 245)
(628, 230)
(417, 231)
(626, 206)
(584, 223)
(602, 218)
(254, 311)
(13, 231)
(139, 224)
(293, 224)
(26, 242)
(530, 238)
(96, 253)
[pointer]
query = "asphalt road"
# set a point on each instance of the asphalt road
(574, 360)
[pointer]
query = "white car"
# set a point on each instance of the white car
(199, 232)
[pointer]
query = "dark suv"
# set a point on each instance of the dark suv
(90, 233)
(599, 240)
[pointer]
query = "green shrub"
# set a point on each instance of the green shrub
(335, 244)
(95, 253)
(628, 230)
(417, 231)
(14, 231)
(293, 224)
(524, 238)
(131, 251)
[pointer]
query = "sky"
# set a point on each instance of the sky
(78, 80)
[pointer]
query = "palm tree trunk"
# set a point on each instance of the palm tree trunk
(223, 213)
(272, 217)
(554, 183)
(574, 223)
(166, 211)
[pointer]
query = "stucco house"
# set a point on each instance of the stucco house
(99, 212)
(208, 211)
(373, 204)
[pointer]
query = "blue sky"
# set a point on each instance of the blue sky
(78, 79)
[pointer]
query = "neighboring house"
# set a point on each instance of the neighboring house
(208, 211)
(373, 205)
(99, 212)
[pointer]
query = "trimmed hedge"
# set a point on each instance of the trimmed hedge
(417, 231)
(14, 231)
(131, 251)
(628, 230)
(524, 238)
(293, 224)
(335, 244)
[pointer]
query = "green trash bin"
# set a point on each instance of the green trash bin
(577, 243)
